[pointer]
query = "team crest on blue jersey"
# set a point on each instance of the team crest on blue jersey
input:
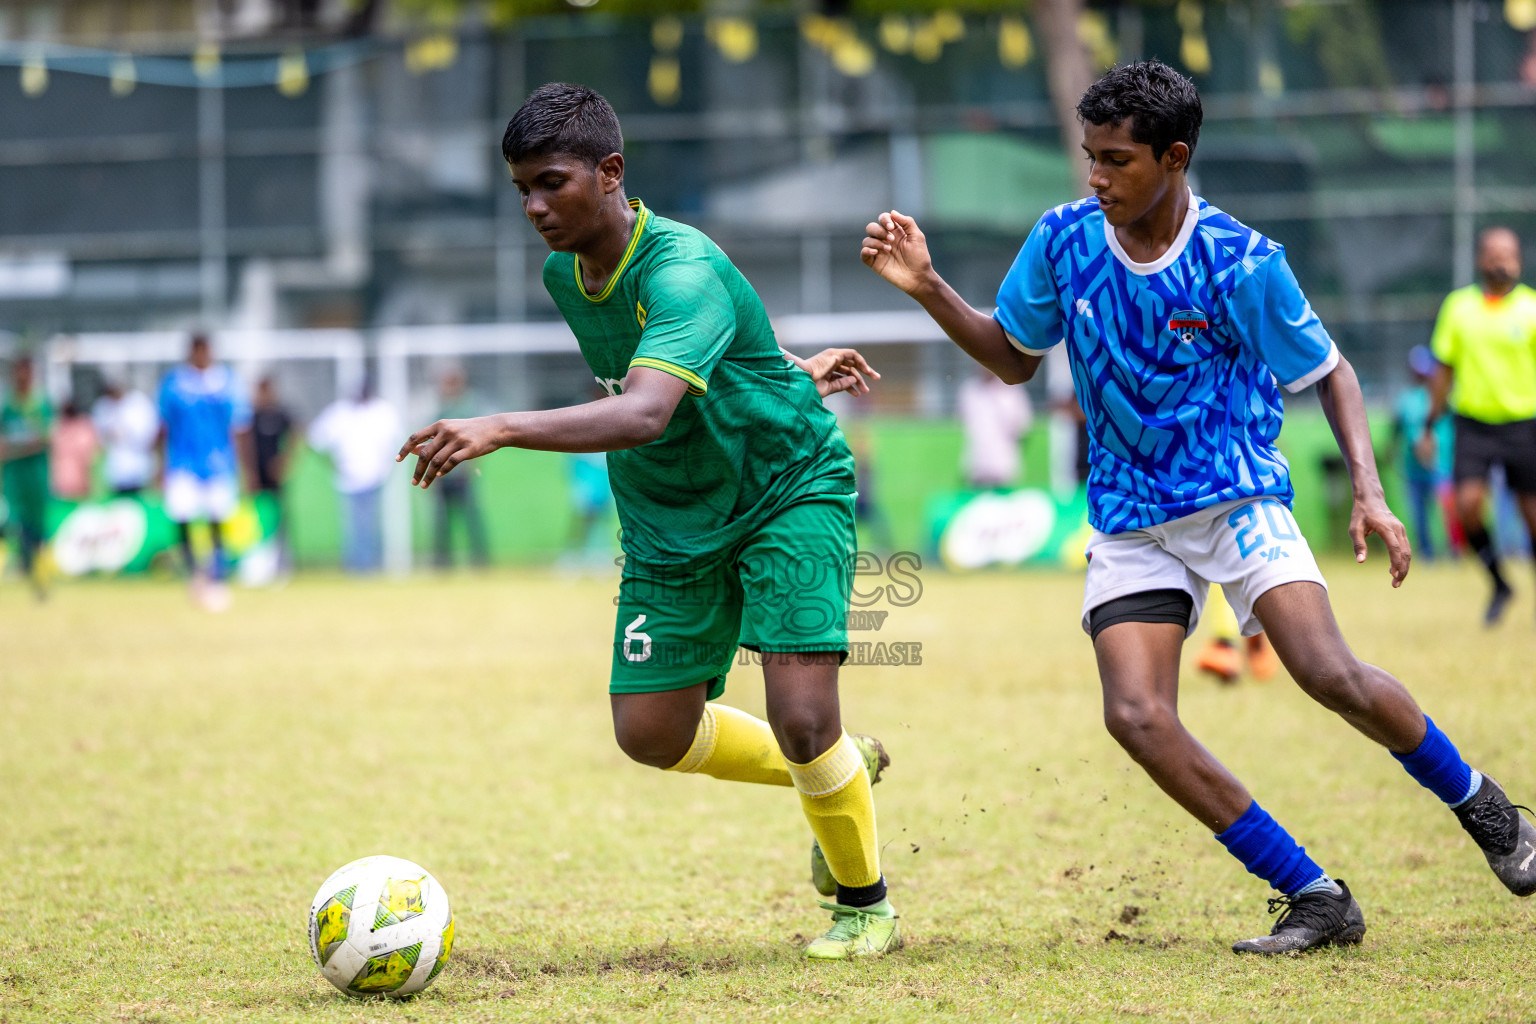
(1185, 322)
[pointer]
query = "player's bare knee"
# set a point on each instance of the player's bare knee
(1337, 683)
(1139, 725)
(805, 733)
(658, 748)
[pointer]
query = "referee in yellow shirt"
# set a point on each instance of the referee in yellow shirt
(1485, 340)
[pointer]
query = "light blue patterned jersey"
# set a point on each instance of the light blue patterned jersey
(1175, 362)
(200, 409)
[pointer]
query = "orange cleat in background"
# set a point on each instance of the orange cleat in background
(1263, 662)
(1222, 660)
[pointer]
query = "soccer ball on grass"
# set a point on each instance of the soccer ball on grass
(381, 926)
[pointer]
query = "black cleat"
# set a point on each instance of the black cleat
(1506, 837)
(1313, 920)
(1502, 595)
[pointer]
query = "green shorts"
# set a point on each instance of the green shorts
(784, 588)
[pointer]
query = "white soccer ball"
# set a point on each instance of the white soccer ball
(381, 926)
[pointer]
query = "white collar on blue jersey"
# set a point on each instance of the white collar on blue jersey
(1163, 262)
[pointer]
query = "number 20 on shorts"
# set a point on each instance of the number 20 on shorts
(1250, 528)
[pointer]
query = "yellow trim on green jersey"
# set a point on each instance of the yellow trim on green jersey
(640, 315)
(696, 385)
(613, 279)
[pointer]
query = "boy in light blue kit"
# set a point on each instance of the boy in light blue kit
(1179, 321)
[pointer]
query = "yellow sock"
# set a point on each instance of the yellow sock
(732, 745)
(834, 792)
(1223, 620)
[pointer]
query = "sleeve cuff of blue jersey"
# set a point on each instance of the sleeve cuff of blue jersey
(1016, 343)
(1322, 370)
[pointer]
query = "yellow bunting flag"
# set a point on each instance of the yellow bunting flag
(124, 76)
(205, 60)
(667, 34)
(895, 33)
(292, 74)
(1014, 45)
(949, 25)
(853, 56)
(1093, 32)
(735, 38)
(431, 53)
(1194, 50)
(665, 80)
(34, 75)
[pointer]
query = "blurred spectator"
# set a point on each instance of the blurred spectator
(1426, 468)
(72, 453)
(867, 509)
(202, 408)
(271, 425)
(26, 419)
(591, 498)
(995, 417)
(361, 435)
(127, 425)
(456, 492)
(1510, 536)
(1080, 462)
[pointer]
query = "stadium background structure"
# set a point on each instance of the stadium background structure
(365, 194)
(916, 465)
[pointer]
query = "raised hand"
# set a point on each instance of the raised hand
(896, 249)
(836, 369)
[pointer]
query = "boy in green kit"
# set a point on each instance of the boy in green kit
(734, 488)
(26, 420)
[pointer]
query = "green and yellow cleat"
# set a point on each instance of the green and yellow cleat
(857, 932)
(876, 760)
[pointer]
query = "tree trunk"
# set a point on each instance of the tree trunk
(1069, 71)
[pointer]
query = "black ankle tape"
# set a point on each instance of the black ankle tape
(861, 895)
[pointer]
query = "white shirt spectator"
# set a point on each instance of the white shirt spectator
(361, 438)
(127, 426)
(995, 416)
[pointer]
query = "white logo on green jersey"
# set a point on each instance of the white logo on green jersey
(631, 634)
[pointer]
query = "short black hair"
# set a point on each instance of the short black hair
(563, 118)
(1163, 105)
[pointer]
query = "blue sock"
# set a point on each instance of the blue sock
(1267, 850)
(1437, 767)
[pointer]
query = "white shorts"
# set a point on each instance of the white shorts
(1248, 546)
(189, 497)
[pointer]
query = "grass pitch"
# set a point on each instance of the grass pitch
(175, 786)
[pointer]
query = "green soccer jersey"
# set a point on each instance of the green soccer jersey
(750, 438)
(24, 478)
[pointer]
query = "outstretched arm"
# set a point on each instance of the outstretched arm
(1339, 393)
(635, 417)
(896, 249)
